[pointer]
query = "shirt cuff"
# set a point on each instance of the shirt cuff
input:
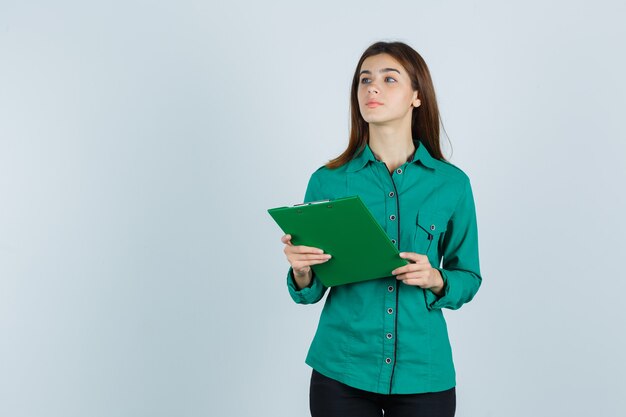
(307, 294)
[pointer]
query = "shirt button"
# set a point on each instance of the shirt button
(389, 335)
(432, 227)
(388, 360)
(393, 217)
(399, 170)
(391, 193)
(390, 310)
(390, 288)
(393, 241)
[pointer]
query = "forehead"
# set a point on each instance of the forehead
(376, 62)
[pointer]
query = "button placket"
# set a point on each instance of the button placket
(391, 299)
(388, 328)
(391, 194)
(389, 325)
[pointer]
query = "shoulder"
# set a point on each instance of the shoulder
(451, 172)
(324, 173)
(328, 183)
(453, 182)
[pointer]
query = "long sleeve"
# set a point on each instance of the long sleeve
(460, 268)
(315, 291)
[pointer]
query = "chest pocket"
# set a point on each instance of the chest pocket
(430, 226)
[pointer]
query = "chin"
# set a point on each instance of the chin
(372, 118)
(376, 121)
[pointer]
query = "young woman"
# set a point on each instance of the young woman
(383, 344)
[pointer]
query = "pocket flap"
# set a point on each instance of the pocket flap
(432, 222)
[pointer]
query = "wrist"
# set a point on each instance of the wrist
(302, 281)
(438, 288)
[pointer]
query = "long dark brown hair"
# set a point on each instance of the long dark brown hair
(425, 119)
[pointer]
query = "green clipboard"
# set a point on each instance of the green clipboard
(346, 229)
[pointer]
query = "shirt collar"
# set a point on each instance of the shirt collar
(421, 154)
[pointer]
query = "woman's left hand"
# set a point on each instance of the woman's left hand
(419, 272)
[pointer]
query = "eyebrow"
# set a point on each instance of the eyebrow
(381, 71)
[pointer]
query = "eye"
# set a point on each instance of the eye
(366, 80)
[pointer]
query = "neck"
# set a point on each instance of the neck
(391, 146)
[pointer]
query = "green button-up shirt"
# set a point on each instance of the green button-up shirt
(382, 335)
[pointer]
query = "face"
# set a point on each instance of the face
(385, 93)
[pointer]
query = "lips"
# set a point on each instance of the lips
(373, 103)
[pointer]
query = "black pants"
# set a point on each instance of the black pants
(331, 398)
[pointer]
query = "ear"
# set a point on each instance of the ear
(416, 101)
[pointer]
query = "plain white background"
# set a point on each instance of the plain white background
(141, 144)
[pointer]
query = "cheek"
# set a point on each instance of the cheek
(361, 92)
(398, 99)
(408, 95)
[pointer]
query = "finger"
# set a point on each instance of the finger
(416, 275)
(310, 257)
(300, 265)
(402, 270)
(286, 239)
(302, 250)
(321, 261)
(412, 256)
(307, 249)
(292, 255)
(414, 267)
(413, 282)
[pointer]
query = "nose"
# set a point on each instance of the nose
(372, 88)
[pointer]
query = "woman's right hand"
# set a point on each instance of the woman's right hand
(301, 258)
